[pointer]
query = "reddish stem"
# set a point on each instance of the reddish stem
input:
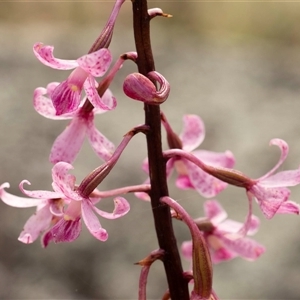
(157, 169)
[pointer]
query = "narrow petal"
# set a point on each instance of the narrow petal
(68, 144)
(43, 105)
(63, 182)
(217, 159)
(284, 148)
(91, 221)
(269, 199)
(96, 63)
(95, 99)
(16, 201)
(282, 179)
(62, 231)
(38, 194)
(100, 144)
(122, 207)
(44, 54)
(193, 132)
(214, 212)
(207, 185)
(244, 247)
(35, 225)
(109, 101)
(289, 207)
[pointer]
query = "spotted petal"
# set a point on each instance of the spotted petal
(193, 132)
(91, 221)
(68, 144)
(44, 106)
(100, 144)
(122, 207)
(44, 54)
(35, 225)
(207, 185)
(96, 63)
(38, 194)
(16, 201)
(214, 212)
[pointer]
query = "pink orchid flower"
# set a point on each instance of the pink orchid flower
(67, 95)
(191, 176)
(270, 190)
(220, 235)
(59, 212)
(68, 143)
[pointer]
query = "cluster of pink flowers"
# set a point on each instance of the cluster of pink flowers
(59, 213)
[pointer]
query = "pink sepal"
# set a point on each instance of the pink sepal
(68, 144)
(281, 179)
(91, 221)
(44, 106)
(44, 54)
(289, 207)
(207, 185)
(193, 132)
(90, 87)
(38, 194)
(122, 207)
(100, 144)
(269, 199)
(35, 225)
(96, 63)
(284, 148)
(16, 201)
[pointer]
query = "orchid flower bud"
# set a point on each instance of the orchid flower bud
(141, 88)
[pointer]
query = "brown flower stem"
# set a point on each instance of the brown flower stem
(157, 169)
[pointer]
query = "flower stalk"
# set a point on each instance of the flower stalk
(178, 287)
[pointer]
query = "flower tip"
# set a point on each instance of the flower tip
(25, 238)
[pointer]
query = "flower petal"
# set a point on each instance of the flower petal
(62, 231)
(91, 221)
(282, 179)
(68, 144)
(122, 207)
(109, 101)
(35, 225)
(183, 182)
(63, 182)
(284, 148)
(193, 132)
(269, 199)
(66, 97)
(217, 159)
(95, 99)
(289, 207)
(244, 247)
(207, 185)
(100, 144)
(44, 54)
(16, 201)
(96, 63)
(214, 211)
(38, 194)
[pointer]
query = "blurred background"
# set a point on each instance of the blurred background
(237, 65)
